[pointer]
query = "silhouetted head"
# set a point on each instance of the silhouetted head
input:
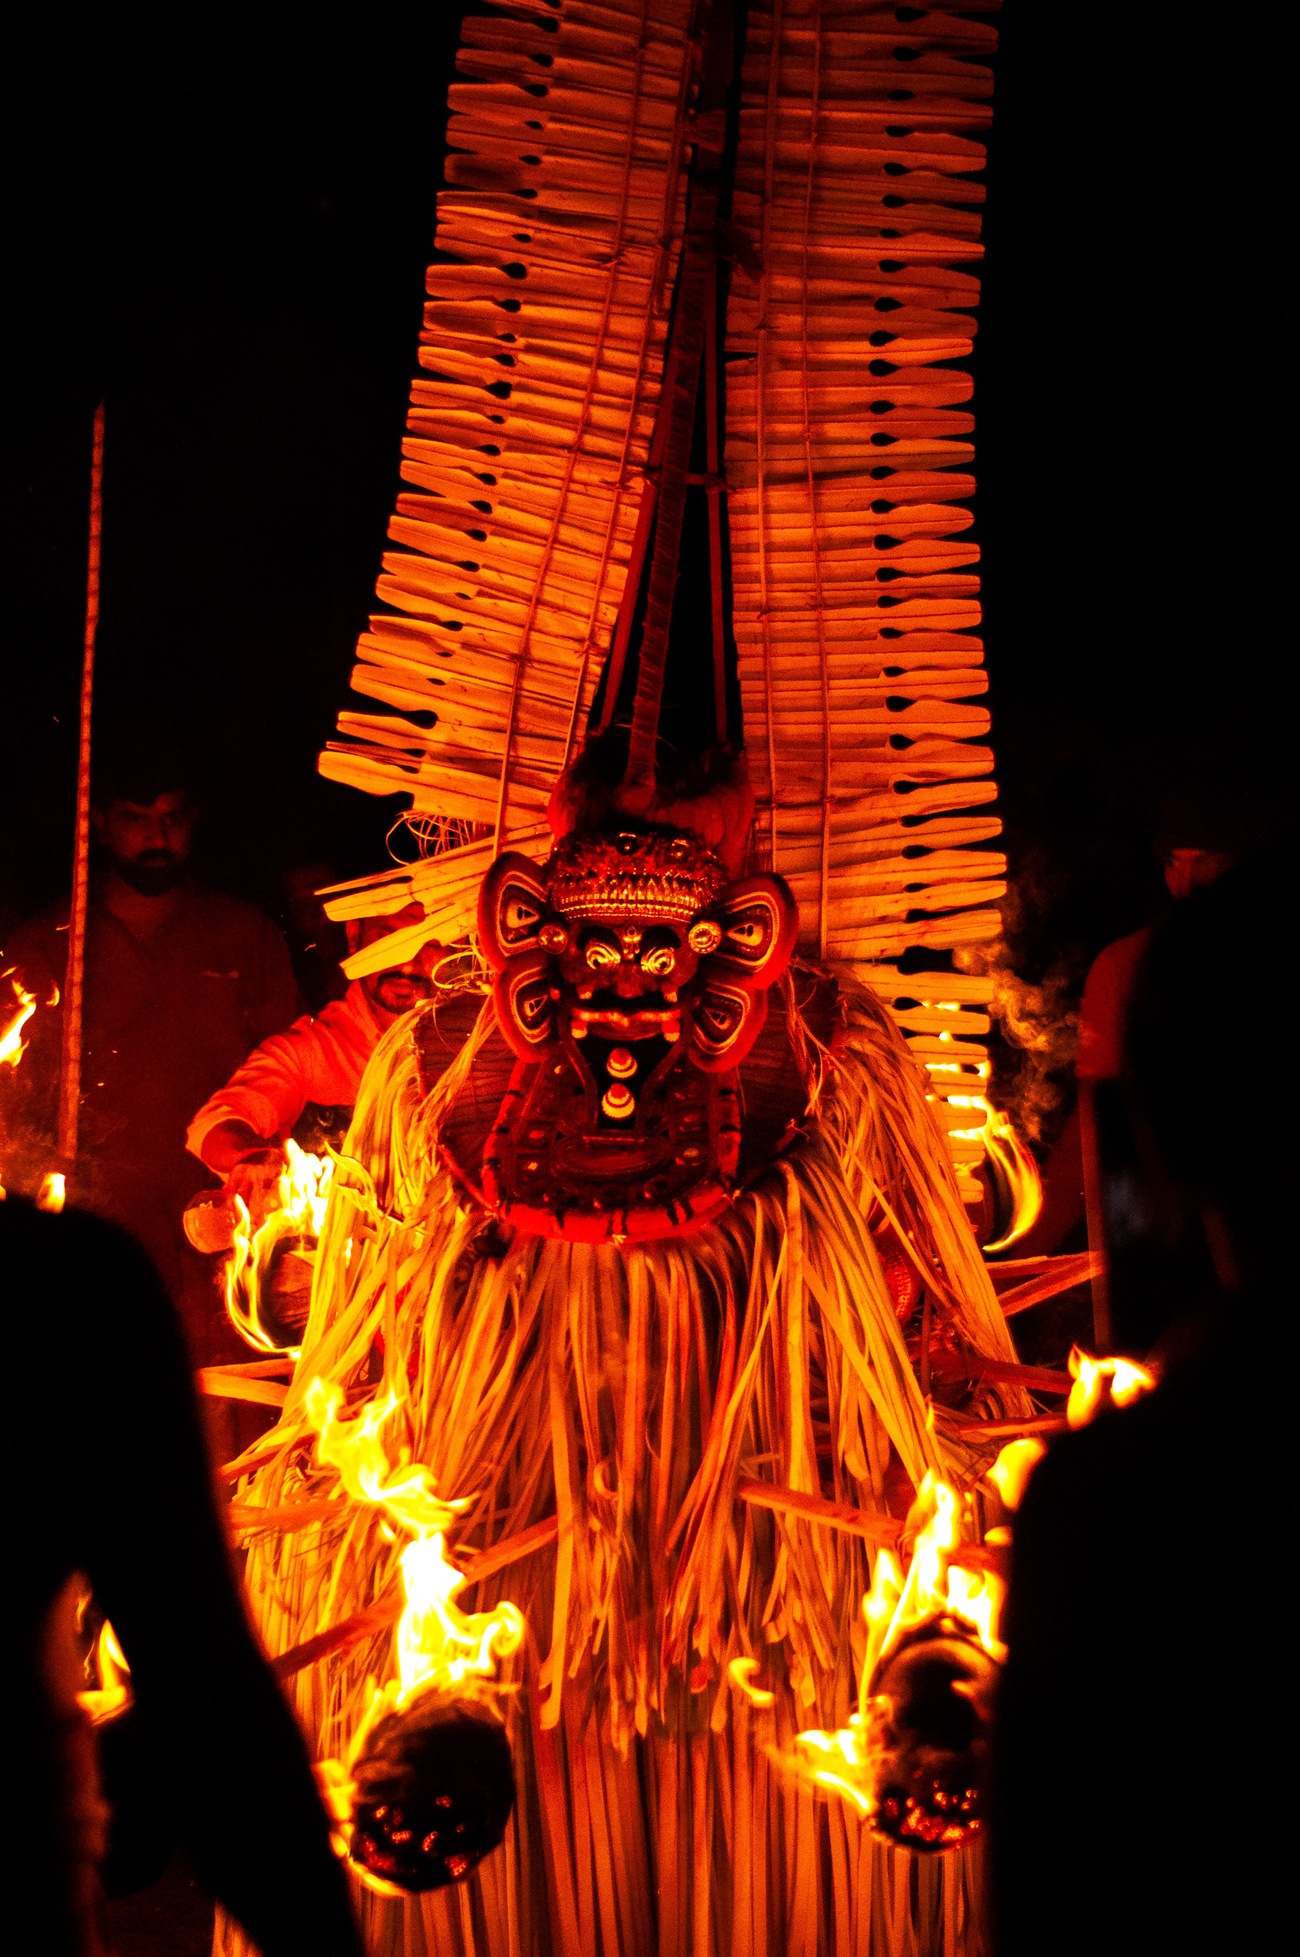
(1206, 1055)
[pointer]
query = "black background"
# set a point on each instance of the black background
(224, 231)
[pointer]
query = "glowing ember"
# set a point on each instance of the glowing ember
(909, 1760)
(53, 1192)
(1102, 1382)
(268, 1274)
(106, 1666)
(12, 1044)
(428, 1782)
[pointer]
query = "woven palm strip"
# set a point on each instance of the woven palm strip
(848, 457)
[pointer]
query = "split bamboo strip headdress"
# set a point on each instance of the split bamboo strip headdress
(854, 225)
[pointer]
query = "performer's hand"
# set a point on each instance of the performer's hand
(253, 1179)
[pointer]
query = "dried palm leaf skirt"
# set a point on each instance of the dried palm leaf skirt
(627, 1392)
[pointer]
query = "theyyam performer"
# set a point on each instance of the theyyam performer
(645, 1240)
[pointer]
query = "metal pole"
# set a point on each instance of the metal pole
(74, 984)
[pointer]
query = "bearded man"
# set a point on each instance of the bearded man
(181, 983)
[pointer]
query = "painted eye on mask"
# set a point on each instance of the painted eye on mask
(602, 956)
(659, 961)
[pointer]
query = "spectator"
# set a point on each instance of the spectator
(1196, 842)
(1133, 1767)
(118, 1492)
(181, 983)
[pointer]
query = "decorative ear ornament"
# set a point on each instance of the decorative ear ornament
(513, 912)
(524, 996)
(758, 923)
(725, 1022)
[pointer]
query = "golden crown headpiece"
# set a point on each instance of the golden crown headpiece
(655, 876)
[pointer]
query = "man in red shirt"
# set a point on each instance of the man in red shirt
(181, 982)
(241, 1130)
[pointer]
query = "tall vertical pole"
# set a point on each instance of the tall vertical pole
(74, 984)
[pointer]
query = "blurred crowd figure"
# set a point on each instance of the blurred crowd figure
(119, 1501)
(181, 982)
(1141, 1716)
(1196, 842)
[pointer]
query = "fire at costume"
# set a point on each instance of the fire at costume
(650, 1234)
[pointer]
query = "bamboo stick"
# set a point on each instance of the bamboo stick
(363, 1624)
(74, 981)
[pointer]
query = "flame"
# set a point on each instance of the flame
(995, 1130)
(1020, 1170)
(439, 1647)
(741, 1673)
(53, 1193)
(12, 1044)
(894, 1605)
(437, 1644)
(302, 1197)
(1011, 1471)
(107, 1664)
(1098, 1380)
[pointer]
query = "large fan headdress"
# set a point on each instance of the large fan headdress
(652, 208)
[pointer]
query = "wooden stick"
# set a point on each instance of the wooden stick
(74, 981)
(230, 1383)
(364, 1623)
(814, 1508)
(1095, 1210)
(998, 1430)
(1062, 1274)
(284, 1518)
(339, 1637)
(1035, 1379)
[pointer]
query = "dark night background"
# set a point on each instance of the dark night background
(225, 235)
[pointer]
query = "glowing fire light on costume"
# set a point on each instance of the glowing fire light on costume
(741, 1672)
(935, 1587)
(12, 1044)
(1096, 1381)
(53, 1193)
(996, 1132)
(106, 1664)
(302, 1197)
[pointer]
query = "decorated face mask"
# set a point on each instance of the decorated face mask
(632, 981)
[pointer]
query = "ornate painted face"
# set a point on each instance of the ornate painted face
(632, 980)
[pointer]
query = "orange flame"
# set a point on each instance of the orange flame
(12, 1044)
(840, 1762)
(1011, 1471)
(302, 1197)
(741, 1673)
(1020, 1172)
(439, 1647)
(106, 1664)
(1097, 1381)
